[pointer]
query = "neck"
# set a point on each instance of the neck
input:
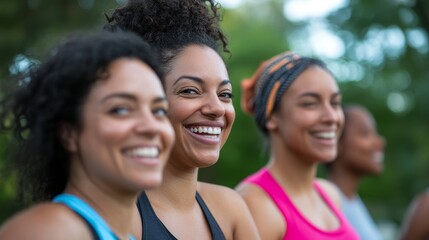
(346, 181)
(178, 188)
(292, 172)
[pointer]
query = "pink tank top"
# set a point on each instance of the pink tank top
(298, 227)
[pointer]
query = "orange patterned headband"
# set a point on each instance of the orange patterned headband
(269, 66)
(262, 92)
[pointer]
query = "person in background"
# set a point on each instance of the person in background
(93, 132)
(360, 154)
(415, 225)
(296, 104)
(188, 37)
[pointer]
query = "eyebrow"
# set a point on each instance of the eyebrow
(200, 80)
(131, 97)
(315, 95)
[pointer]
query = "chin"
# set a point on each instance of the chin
(376, 171)
(150, 182)
(207, 161)
(327, 157)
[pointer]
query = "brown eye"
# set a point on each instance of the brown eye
(160, 112)
(226, 95)
(189, 91)
(119, 111)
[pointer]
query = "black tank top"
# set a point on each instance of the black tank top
(154, 229)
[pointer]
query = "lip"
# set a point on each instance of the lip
(378, 157)
(326, 142)
(206, 123)
(143, 161)
(214, 139)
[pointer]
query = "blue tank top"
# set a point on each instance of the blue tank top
(154, 229)
(98, 226)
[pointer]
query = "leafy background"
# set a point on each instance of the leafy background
(381, 61)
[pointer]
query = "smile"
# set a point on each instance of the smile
(326, 135)
(206, 130)
(143, 152)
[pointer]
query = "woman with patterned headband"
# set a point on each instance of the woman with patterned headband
(296, 104)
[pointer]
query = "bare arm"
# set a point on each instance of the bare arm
(416, 224)
(269, 221)
(245, 227)
(47, 222)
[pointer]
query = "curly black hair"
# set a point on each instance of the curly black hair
(171, 25)
(52, 94)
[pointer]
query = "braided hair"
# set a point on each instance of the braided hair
(171, 25)
(263, 91)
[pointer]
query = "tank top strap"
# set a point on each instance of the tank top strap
(153, 228)
(97, 224)
(266, 181)
(216, 231)
(329, 202)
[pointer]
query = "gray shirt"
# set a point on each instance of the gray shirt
(359, 217)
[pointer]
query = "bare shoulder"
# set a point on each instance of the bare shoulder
(230, 211)
(267, 216)
(331, 190)
(220, 194)
(45, 221)
(423, 201)
(415, 224)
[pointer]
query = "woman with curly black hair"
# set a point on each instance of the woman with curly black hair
(188, 37)
(93, 132)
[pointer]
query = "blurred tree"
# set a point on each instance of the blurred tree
(380, 61)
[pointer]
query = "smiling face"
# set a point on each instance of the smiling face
(126, 137)
(201, 110)
(309, 119)
(361, 147)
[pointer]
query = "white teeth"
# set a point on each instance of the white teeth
(206, 130)
(327, 135)
(147, 152)
(379, 157)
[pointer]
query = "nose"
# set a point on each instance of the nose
(148, 124)
(213, 106)
(332, 114)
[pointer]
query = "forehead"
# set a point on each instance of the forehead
(131, 76)
(316, 80)
(359, 117)
(198, 61)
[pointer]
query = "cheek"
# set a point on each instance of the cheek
(179, 112)
(111, 132)
(168, 135)
(302, 120)
(230, 114)
(358, 148)
(340, 114)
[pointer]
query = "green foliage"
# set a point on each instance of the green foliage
(393, 82)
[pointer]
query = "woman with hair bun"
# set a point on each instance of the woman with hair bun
(296, 104)
(189, 40)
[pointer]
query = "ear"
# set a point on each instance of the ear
(272, 122)
(68, 136)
